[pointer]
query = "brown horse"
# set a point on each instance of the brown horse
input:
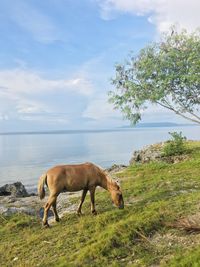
(71, 178)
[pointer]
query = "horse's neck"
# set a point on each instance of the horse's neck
(106, 182)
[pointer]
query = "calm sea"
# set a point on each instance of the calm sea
(24, 157)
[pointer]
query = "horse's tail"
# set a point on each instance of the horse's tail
(41, 183)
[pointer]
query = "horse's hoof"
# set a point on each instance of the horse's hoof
(94, 212)
(79, 213)
(45, 225)
(57, 219)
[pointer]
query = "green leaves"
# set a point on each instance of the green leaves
(165, 73)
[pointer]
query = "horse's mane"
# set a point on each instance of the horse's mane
(110, 180)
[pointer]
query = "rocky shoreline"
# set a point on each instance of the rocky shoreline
(33, 206)
(19, 201)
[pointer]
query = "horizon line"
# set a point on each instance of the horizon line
(114, 129)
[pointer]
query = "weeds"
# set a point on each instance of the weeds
(175, 146)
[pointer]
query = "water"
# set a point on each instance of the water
(25, 157)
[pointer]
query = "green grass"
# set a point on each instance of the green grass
(154, 194)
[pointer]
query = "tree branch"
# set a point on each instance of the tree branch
(194, 115)
(177, 112)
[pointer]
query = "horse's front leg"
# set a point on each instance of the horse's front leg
(82, 200)
(92, 197)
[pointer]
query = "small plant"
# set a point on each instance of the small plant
(175, 146)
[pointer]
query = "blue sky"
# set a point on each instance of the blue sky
(57, 58)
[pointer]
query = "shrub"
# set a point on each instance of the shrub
(175, 146)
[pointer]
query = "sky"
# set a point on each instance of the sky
(57, 58)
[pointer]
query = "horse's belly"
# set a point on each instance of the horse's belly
(73, 186)
(72, 189)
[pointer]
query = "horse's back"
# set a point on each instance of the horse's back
(71, 169)
(73, 177)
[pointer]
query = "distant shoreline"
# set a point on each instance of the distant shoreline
(119, 129)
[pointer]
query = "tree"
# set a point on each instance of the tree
(166, 73)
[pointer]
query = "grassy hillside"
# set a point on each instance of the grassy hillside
(155, 195)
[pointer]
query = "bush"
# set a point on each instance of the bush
(175, 146)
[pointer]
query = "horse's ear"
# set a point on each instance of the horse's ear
(116, 181)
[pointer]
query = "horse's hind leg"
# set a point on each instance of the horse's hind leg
(57, 219)
(51, 200)
(82, 200)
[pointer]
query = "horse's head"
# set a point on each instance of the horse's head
(116, 195)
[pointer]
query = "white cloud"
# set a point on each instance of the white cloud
(26, 95)
(99, 109)
(162, 13)
(17, 81)
(45, 117)
(25, 106)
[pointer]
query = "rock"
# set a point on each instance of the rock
(175, 159)
(147, 154)
(116, 168)
(155, 153)
(31, 205)
(16, 190)
(7, 211)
